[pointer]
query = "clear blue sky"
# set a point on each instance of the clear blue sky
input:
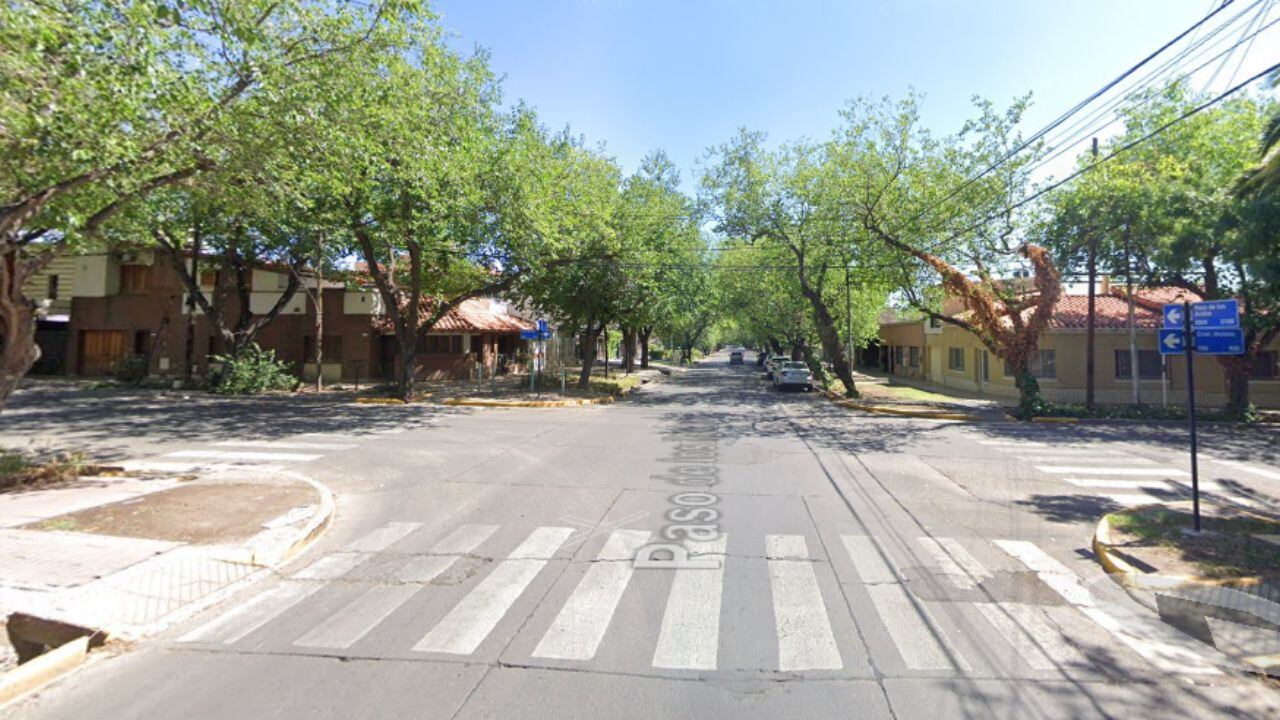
(683, 75)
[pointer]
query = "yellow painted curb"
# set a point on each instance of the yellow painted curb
(1058, 420)
(390, 401)
(43, 669)
(1132, 577)
(469, 402)
(926, 414)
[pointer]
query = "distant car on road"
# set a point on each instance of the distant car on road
(735, 357)
(793, 374)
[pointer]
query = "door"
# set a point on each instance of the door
(102, 350)
(386, 356)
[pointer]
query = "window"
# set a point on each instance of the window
(914, 357)
(1264, 366)
(955, 358)
(1149, 365)
(443, 345)
(332, 349)
(208, 278)
(984, 364)
(134, 279)
(52, 293)
(897, 356)
(1042, 365)
(935, 323)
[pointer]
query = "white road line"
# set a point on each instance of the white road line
(1098, 470)
(464, 539)
(964, 571)
(1269, 474)
(786, 547)
(1121, 484)
(910, 627)
(283, 445)
(346, 626)
(1022, 642)
(1012, 443)
(1032, 620)
(382, 538)
(805, 640)
(258, 611)
(424, 568)
(331, 566)
(1059, 457)
(1127, 500)
(1136, 632)
(542, 543)
(690, 635)
(578, 629)
(161, 466)
(243, 455)
(462, 630)
(867, 561)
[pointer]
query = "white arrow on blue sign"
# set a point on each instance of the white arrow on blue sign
(1173, 316)
(1216, 314)
(1172, 342)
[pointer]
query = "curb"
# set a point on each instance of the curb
(63, 659)
(1055, 420)
(365, 400)
(481, 402)
(43, 669)
(1132, 577)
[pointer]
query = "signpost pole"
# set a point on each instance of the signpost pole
(1188, 345)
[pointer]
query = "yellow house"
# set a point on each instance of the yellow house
(952, 357)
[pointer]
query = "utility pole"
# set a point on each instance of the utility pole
(1133, 332)
(189, 350)
(848, 321)
(1091, 319)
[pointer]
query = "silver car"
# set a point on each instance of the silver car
(793, 374)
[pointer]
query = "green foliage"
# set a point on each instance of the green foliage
(132, 369)
(250, 372)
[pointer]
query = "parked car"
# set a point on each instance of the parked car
(735, 357)
(773, 363)
(793, 374)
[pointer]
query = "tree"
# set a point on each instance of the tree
(1206, 237)
(106, 103)
(787, 198)
(931, 202)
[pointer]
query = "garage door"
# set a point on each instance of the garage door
(101, 350)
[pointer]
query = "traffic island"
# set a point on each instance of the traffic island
(1220, 586)
(600, 391)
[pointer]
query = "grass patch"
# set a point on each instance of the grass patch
(907, 392)
(1226, 549)
(1134, 412)
(22, 470)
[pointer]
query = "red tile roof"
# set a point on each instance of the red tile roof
(1110, 313)
(478, 315)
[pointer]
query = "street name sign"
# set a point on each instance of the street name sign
(1225, 341)
(529, 334)
(1172, 342)
(1214, 314)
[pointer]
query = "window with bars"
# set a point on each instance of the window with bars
(1149, 365)
(443, 345)
(955, 358)
(914, 357)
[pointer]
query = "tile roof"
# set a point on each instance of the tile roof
(1110, 313)
(479, 315)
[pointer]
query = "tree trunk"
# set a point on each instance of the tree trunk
(644, 333)
(629, 349)
(1237, 370)
(589, 338)
(18, 349)
(830, 337)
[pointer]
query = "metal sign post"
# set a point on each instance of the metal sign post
(1187, 345)
(1204, 328)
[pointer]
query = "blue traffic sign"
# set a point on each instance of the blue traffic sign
(1173, 317)
(1172, 342)
(1227, 341)
(1215, 314)
(542, 326)
(529, 334)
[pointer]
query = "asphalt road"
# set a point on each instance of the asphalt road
(837, 565)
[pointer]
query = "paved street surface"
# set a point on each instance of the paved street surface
(481, 565)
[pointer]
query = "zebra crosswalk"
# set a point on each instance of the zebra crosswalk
(229, 456)
(684, 620)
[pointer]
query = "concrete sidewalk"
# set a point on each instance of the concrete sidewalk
(132, 555)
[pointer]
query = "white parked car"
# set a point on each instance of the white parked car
(773, 363)
(793, 374)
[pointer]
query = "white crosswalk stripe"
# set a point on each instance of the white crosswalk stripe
(907, 621)
(1140, 634)
(1058, 457)
(382, 538)
(283, 445)
(472, 619)
(1102, 470)
(345, 627)
(964, 571)
(805, 640)
(256, 613)
(244, 455)
(331, 566)
(690, 634)
(578, 629)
